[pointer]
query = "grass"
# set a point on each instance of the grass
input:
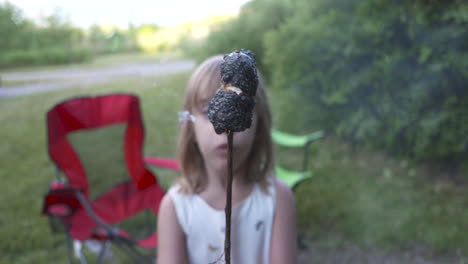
(10, 83)
(356, 195)
(371, 199)
(19, 84)
(26, 170)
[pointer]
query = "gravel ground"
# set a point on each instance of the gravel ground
(67, 78)
(347, 253)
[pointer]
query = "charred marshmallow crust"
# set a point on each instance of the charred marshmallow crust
(232, 106)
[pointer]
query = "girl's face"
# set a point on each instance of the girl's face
(214, 147)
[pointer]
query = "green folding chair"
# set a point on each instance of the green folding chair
(293, 178)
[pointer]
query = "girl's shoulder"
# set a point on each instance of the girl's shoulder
(179, 196)
(183, 204)
(273, 185)
(281, 189)
(278, 191)
(175, 190)
(280, 185)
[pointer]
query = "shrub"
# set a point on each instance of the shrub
(245, 32)
(47, 56)
(386, 73)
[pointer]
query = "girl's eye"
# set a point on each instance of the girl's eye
(204, 111)
(205, 115)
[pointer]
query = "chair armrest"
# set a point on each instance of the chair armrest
(290, 140)
(165, 163)
(60, 202)
(292, 178)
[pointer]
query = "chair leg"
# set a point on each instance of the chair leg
(53, 222)
(78, 248)
(69, 246)
(302, 245)
(102, 252)
(305, 165)
(149, 223)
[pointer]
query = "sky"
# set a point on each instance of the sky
(84, 13)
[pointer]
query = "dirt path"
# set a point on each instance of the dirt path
(35, 82)
(348, 253)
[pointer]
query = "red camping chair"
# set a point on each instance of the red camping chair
(70, 199)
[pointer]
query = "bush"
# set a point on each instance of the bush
(47, 56)
(245, 32)
(386, 73)
(389, 74)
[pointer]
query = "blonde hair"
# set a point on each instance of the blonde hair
(200, 89)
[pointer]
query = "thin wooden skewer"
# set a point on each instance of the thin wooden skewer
(227, 210)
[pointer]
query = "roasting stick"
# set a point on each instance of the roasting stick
(227, 210)
(231, 110)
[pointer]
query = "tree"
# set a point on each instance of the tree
(246, 31)
(386, 73)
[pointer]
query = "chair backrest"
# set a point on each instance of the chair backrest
(88, 113)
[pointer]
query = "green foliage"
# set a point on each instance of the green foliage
(113, 40)
(25, 43)
(16, 58)
(55, 40)
(389, 74)
(245, 32)
(13, 27)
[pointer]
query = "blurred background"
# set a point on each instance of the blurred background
(385, 80)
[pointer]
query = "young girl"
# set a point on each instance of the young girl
(191, 222)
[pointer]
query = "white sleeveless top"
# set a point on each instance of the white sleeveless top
(251, 227)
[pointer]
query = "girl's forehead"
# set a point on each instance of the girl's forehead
(204, 98)
(203, 94)
(201, 100)
(205, 81)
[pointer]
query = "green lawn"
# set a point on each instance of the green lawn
(26, 170)
(362, 196)
(19, 84)
(371, 199)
